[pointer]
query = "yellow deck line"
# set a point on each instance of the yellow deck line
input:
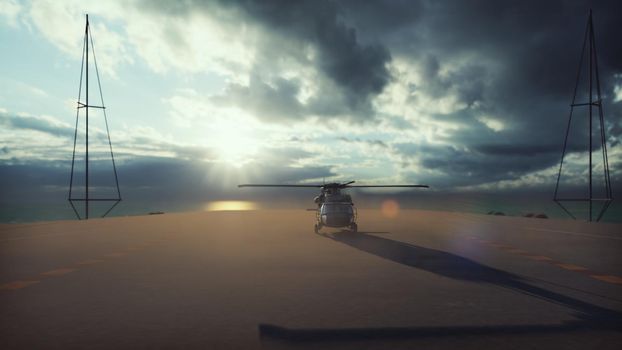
(17, 285)
(571, 267)
(608, 278)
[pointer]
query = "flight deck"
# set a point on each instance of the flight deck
(264, 280)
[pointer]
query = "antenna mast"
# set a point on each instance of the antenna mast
(86, 106)
(592, 104)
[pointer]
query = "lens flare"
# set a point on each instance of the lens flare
(390, 209)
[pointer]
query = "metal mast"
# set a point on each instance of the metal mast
(606, 200)
(85, 69)
(86, 35)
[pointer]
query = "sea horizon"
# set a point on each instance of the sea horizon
(472, 204)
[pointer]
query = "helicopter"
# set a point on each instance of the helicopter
(334, 209)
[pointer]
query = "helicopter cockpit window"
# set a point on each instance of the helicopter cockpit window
(336, 208)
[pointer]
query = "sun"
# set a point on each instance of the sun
(234, 141)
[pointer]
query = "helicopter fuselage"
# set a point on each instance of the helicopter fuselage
(336, 214)
(335, 210)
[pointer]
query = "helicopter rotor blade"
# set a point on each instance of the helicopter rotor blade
(407, 186)
(333, 185)
(271, 185)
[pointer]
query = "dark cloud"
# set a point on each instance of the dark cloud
(524, 151)
(518, 150)
(445, 167)
(29, 122)
(380, 19)
(147, 184)
(615, 134)
(521, 56)
(521, 64)
(272, 102)
(358, 69)
(536, 46)
(467, 83)
(351, 71)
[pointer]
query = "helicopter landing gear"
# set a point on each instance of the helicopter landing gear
(354, 227)
(317, 228)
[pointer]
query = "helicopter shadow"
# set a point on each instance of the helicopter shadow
(457, 267)
(589, 317)
(369, 232)
(336, 336)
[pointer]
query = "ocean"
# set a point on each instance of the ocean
(517, 205)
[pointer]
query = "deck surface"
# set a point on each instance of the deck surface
(264, 280)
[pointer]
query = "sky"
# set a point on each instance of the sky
(465, 96)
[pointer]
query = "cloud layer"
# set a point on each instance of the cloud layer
(461, 95)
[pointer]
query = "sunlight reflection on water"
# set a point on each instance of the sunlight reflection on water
(230, 205)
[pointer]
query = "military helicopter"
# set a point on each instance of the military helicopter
(334, 209)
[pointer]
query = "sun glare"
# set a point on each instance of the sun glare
(235, 142)
(230, 206)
